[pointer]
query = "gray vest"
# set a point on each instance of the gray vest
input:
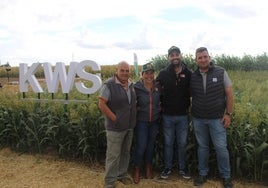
(210, 104)
(119, 104)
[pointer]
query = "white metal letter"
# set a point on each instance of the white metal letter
(95, 79)
(26, 77)
(60, 76)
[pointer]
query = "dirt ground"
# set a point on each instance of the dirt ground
(45, 171)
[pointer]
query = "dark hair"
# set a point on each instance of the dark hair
(201, 49)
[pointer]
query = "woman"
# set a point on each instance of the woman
(148, 114)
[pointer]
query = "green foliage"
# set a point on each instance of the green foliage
(189, 60)
(47, 127)
(159, 62)
(248, 150)
(228, 62)
(246, 63)
(12, 126)
(77, 129)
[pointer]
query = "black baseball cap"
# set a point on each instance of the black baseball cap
(173, 48)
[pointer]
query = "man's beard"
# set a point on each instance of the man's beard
(176, 64)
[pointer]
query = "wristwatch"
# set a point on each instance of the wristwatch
(227, 113)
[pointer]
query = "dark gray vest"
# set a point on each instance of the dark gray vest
(119, 104)
(209, 105)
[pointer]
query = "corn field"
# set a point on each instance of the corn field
(76, 130)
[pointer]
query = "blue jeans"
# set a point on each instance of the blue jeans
(145, 138)
(204, 130)
(175, 126)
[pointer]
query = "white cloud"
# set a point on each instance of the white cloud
(109, 31)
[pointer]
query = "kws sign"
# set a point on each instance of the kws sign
(60, 76)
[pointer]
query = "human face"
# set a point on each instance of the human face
(203, 60)
(122, 72)
(148, 77)
(174, 57)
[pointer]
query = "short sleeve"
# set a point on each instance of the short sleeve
(226, 79)
(105, 92)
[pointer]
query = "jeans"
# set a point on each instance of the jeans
(175, 126)
(117, 155)
(145, 138)
(204, 130)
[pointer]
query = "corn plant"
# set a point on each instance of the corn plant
(12, 129)
(77, 129)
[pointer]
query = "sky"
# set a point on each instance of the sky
(108, 31)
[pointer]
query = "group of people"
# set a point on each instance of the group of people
(137, 111)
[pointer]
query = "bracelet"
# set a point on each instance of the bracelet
(227, 113)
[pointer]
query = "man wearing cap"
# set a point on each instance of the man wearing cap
(174, 81)
(148, 114)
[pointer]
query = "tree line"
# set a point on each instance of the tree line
(245, 63)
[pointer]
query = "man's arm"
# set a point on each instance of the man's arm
(105, 109)
(229, 99)
(226, 120)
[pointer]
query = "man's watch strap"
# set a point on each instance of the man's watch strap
(227, 113)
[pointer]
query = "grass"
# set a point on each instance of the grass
(44, 171)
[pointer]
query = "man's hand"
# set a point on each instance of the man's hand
(226, 120)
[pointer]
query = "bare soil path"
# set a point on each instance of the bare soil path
(45, 171)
